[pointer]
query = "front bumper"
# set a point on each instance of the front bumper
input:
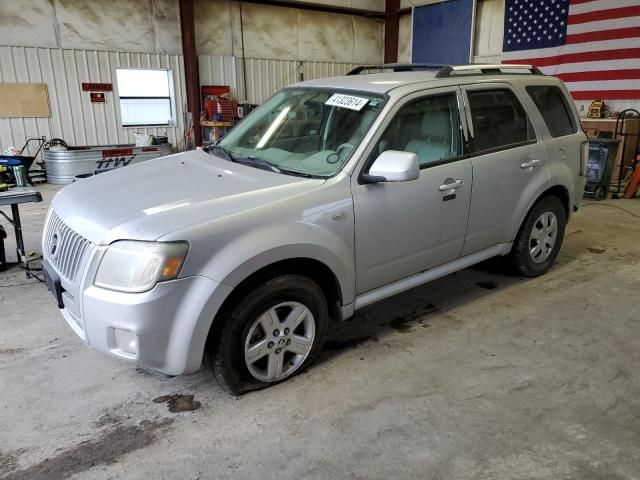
(168, 324)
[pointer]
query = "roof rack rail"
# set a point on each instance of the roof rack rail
(396, 67)
(473, 69)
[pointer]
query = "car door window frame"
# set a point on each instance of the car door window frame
(495, 86)
(371, 154)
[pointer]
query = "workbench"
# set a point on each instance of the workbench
(14, 197)
(217, 127)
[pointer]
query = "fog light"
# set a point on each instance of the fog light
(126, 341)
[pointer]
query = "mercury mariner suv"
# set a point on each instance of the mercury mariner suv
(332, 195)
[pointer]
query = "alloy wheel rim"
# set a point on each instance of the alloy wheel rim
(279, 341)
(543, 237)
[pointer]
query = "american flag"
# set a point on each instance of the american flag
(593, 45)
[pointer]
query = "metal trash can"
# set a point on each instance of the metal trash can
(602, 152)
(64, 165)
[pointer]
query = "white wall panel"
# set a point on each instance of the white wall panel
(73, 117)
(265, 77)
(489, 28)
(405, 38)
(313, 70)
(219, 70)
(286, 33)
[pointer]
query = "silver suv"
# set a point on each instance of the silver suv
(332, 195)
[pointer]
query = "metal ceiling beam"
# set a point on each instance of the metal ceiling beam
(318, 8)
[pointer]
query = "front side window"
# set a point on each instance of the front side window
(304, 131)
(554, 108)
(499, 120)
(429, 127)
(145, 97)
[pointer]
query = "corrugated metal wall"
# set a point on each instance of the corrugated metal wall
(73, 117)
(219, 70)
(80, 122)
(313, 70)
(264, 76)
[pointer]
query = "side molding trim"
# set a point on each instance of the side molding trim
(408, 283)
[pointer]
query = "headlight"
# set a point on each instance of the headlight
(131, 266)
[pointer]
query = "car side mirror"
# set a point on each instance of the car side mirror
(393, 166)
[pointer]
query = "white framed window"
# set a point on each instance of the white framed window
(146, 97)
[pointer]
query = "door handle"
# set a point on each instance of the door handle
(530, 164)
(450, 184)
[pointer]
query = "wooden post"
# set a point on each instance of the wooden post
(391, 30)
(192, 81)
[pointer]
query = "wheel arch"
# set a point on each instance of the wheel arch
(308, 267)
(312, 268)
(559, 191)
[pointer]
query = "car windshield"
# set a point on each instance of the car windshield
(308, 132)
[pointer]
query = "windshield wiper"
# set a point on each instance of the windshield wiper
(298, 173)
(226, 154)
(255, 161)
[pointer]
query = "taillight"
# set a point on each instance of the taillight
(584, 155)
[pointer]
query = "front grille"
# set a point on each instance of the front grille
(62, 247)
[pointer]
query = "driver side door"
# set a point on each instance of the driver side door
(405, 228)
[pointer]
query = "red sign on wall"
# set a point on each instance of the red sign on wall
(119, 152)
(97, 87)
(97, 97)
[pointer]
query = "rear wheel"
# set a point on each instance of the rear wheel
(272, 334)
(540, 238)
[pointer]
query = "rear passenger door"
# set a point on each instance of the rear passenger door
(509, 164)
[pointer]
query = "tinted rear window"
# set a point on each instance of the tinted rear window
(499, 120)
(554, 108)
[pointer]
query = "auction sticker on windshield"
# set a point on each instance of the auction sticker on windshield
(347, 101)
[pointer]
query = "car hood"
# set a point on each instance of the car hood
(150, 199)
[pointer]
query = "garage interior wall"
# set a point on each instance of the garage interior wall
(66, 42)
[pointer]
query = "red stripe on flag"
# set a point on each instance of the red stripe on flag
(576, 2)
(606, 94)
(607, 14)
(631, 74)
(619, 54)
(629, 32)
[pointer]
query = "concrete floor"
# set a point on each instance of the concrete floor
(475, 376)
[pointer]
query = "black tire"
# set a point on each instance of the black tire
(599, 193)
(224, 354)
(520, 258)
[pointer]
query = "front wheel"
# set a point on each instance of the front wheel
(540, 238)
(270, 335)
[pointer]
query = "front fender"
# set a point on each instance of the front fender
(245, 255)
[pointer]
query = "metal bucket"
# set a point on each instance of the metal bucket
(63, 166)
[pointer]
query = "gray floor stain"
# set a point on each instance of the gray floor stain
(178, 403)
(104, 449)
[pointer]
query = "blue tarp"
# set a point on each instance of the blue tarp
(442, 32)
